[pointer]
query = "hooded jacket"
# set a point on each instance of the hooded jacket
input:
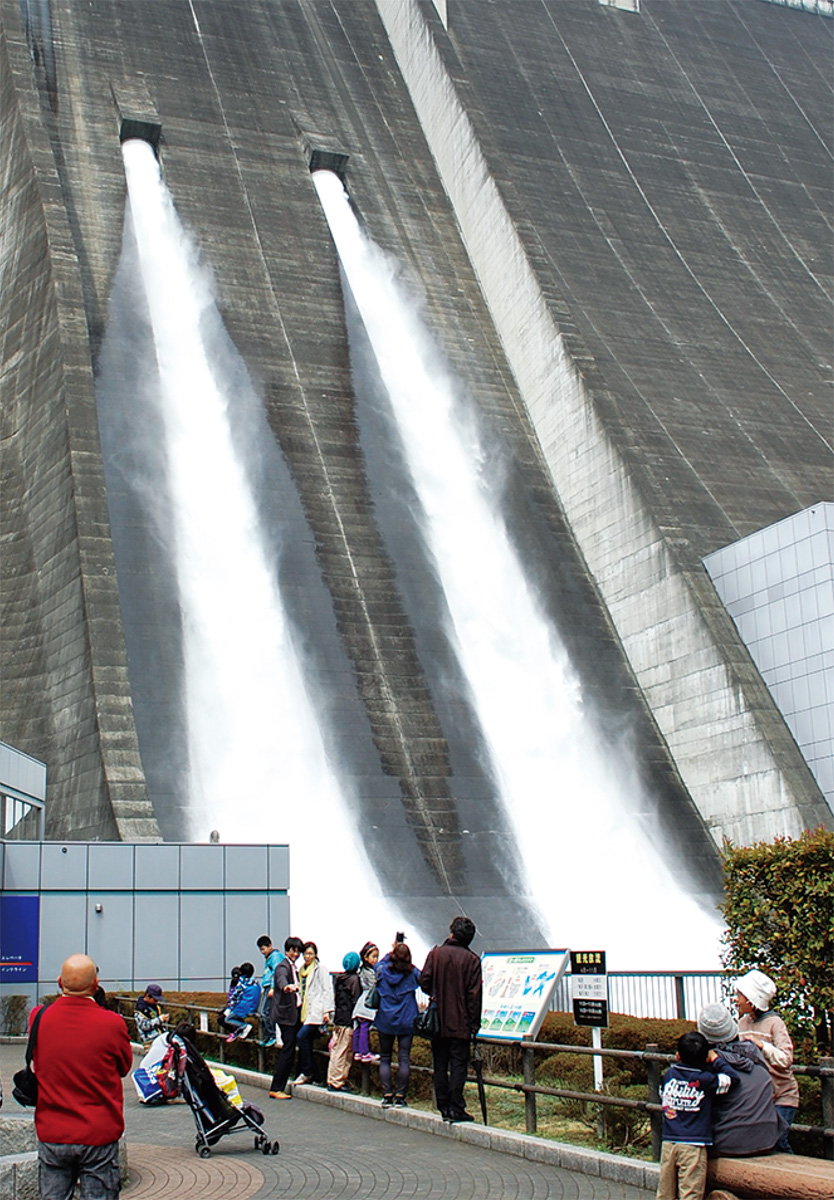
(745, 1120)
(397, 1005)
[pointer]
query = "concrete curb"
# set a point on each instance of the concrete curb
(629, 1171)
(19, 1176)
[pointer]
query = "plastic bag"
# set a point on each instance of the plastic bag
(228, 1085)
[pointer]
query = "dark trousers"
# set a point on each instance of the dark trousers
(283, 1066)
(451, 1064)
(386, 1050)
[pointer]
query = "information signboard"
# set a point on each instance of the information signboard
(19, 938)
(589, 988)
(518, 986)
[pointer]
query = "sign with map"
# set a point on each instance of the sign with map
(518, 986)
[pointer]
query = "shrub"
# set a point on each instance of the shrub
(779, 909)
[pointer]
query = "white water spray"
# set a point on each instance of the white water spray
(258, 767)
(574, 804)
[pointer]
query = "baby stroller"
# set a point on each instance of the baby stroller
(216, 1113)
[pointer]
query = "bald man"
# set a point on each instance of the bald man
(81, 1056)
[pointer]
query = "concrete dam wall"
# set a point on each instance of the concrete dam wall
(632, 311)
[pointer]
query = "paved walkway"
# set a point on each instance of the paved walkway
(328, 1153)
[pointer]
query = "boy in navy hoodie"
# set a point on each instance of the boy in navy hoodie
(686, 1092)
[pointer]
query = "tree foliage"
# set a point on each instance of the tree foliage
(779, 909)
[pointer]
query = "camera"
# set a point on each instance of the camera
(400, 936)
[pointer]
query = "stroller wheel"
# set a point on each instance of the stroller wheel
(264, 1147)
(276, 1146)
(203, 1151)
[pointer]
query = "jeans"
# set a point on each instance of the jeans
(386, 1049)
(451, 1063)
(94, 1168)
(266, 1023)
(307, 1034)
(787, 1114)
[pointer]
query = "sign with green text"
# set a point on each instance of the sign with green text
(518, 986)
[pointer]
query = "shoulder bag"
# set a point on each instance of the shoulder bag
(25, 1090)
(427, 1023)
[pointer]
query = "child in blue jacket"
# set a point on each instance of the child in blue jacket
(687, 1089)
(244, 1003)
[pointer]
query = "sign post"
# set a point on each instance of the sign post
(589, 993)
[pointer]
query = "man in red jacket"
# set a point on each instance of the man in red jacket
(82, 1053)
(452, 977)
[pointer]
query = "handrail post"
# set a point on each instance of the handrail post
(528, 1058)
(653, 1080)
(827, 1082)
(680, 998)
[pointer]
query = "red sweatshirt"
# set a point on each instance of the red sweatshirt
(82, 1053)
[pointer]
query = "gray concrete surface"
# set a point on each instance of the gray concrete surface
(618, 225)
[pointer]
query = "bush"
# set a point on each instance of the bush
(779, 909)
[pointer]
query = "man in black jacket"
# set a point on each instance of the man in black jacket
(452, 977)
(286, 1014)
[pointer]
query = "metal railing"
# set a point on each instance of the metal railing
(654, 1062)
(667, 995)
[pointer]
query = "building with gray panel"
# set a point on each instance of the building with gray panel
(618, 216)
(178, 915)
(778, 586)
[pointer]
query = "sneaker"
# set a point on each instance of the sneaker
(387, 1101)
(269, 1042)
(371, 1058)
(280, 1096)
(302, 1079)
(400, 1102)
(245, 1031)
(459, 1118)
(231, 1038)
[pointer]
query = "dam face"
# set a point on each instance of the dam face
(622, 254)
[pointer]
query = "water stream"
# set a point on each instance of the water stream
(257, 766)
(574, 801)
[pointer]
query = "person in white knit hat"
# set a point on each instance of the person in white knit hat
(754, 995)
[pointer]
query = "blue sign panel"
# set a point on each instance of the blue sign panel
(19, 938)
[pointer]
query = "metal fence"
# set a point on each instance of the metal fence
(668, 995)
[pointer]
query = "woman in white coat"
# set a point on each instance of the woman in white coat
(316, 1010)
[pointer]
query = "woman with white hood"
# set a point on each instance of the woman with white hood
(754, 994)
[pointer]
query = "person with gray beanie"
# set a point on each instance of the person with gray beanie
(745, 1120)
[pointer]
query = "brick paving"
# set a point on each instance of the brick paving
(329, 1153)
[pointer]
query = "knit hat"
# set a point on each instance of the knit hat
(758, 988)
(351, 961)
(366, 950)
(717, 1024)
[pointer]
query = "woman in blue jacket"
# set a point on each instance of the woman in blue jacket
(397, 981)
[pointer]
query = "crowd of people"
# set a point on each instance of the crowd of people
(731, 1089)
(379, 993)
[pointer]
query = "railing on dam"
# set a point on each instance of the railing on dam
(667, 995)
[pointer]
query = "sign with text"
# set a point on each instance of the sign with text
(518, 986)
(589, 988)
(19, 938)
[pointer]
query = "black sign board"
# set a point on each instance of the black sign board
(589, 988)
